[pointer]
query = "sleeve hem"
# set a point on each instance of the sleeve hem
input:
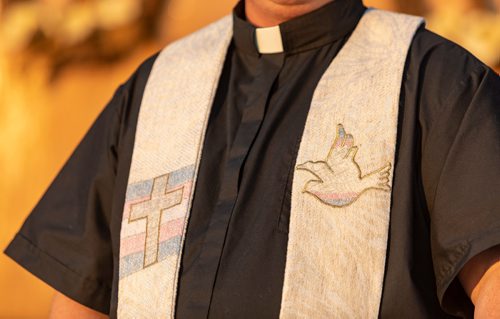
(88, 292)
(447, 279)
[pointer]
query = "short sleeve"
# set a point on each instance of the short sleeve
(460, 167)
(65, 240)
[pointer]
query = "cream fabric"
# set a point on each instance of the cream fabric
(341, 188)
(170, 131)
(339, 228)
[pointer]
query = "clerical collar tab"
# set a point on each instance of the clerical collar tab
(268, 40)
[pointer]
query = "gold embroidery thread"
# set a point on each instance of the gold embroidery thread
(151, 209)
(339, 181)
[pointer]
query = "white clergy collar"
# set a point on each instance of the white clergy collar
(268, 40)
(329, 23)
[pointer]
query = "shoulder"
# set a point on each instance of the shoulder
(433, 52)
(432, 55)
(128, 96)
(201, 39)
(441, 77)
(184, 48)
(135, 83)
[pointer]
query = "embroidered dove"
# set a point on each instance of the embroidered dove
(339, 179)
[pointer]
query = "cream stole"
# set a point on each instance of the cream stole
(341, 189)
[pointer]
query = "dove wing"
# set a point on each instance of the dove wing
(340, 148)
(341, 155)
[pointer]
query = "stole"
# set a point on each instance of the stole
(342, 182)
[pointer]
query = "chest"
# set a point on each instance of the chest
(341, 180)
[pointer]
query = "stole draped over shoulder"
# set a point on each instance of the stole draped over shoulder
(342, 183)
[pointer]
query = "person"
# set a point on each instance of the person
(313, 158)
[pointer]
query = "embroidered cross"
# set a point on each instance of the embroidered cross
(151, 209)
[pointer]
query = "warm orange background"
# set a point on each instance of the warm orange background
(41, 122)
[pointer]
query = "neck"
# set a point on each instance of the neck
(267, 13)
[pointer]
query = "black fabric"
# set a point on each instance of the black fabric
(444, 209)
(259, 111)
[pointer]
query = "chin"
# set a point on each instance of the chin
(292, 2)
(296, 2)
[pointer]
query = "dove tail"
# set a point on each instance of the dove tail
(379, 179)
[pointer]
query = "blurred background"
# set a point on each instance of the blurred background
(61, 60)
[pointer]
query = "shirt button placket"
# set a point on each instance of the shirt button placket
(248, 129)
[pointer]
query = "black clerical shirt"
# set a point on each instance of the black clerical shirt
(444, 209)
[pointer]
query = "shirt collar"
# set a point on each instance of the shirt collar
(327, 24)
